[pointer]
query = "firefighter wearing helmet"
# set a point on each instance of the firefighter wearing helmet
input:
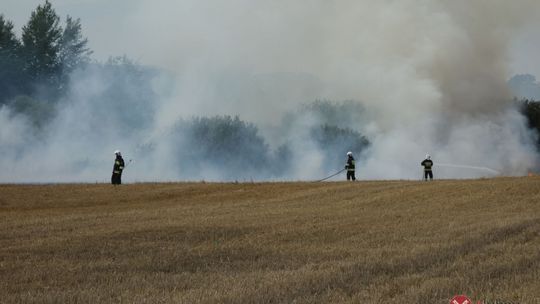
(118, 167)
(428, 164)
(350, 166)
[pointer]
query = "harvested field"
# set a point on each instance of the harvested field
(335, 242)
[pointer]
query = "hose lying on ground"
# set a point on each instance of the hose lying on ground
(331, 175)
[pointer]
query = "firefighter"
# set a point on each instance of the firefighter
(116, 178)
(350, 166)
(427, 163)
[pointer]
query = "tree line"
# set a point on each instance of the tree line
(238, 151)
(531, 110)
(41, 60)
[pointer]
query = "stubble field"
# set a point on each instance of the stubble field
(334, 242)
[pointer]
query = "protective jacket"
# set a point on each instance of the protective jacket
(427, 163)
(350, 163)
(118, 165)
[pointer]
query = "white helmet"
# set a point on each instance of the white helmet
(428, 156)
(117, 152)
(349, 153)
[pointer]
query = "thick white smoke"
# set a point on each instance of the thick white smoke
(430, 74)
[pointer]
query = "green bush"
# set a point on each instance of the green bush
(223, 143)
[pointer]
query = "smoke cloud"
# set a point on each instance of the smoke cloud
(430, 77)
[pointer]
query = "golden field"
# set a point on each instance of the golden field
(330, 242)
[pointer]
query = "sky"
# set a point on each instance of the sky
(112, 27)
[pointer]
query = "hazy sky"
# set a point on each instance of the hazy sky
(113, 27)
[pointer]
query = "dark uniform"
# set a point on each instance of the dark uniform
(427, 163)
(350, 167)
(116, 178)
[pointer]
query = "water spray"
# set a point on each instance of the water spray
(129, 162)
(469, 167)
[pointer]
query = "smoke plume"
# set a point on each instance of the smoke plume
(430, 77)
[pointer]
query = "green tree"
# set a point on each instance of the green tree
(9, 43)
(335, 142)
(531, 110)
(10, 63)
(223, 143)
(74, 50)
(41, 38)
